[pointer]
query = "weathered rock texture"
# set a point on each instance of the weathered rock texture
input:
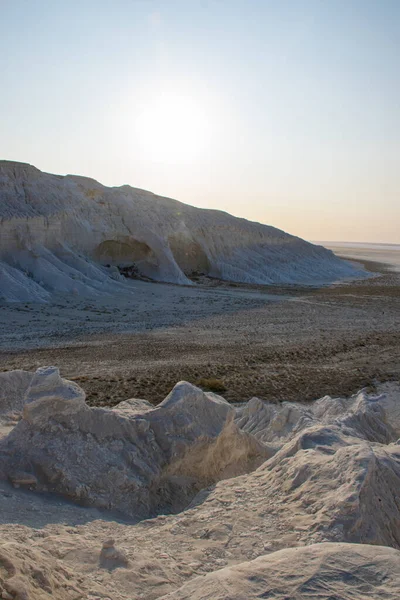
(323, 571)
(28, 574)
(336, 459)
(259, 481)
(73, 235)
(130, 459)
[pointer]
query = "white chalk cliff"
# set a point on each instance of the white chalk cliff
(71, 234)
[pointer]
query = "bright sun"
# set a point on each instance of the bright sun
(173, 128)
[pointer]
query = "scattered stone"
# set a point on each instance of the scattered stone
(111, 558)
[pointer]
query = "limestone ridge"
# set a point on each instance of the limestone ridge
(130, 460)
(73, 235)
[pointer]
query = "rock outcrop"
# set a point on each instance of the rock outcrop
(28, 574)
(336, 460)
(13, 387)
(132, 459)
(254, 501)
(73, 235)
(323, 571)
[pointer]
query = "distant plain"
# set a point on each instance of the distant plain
(385, 254)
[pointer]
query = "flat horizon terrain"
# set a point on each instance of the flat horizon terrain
(386, 254)
(274, 342)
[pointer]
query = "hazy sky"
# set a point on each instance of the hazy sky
(282, 111)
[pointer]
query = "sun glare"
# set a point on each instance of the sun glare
(173, 128)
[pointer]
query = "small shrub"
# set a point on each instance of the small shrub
(211, 384)
(131, 272)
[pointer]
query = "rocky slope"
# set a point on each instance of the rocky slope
(323, 571)
(73, 235)
(272, 479)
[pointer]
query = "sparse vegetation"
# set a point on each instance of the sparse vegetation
(131, 272)
(211, 384)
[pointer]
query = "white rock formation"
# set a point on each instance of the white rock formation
(13, 387)
(134, 460)
(278, 482)
(339, 458)
(376, 418)
(323, 571)
(58, 234)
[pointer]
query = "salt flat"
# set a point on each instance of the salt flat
(386, 254)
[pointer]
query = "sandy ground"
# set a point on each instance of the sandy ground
(276, 343)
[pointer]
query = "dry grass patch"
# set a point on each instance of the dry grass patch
(211, 384)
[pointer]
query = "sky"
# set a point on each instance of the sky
(285, 112)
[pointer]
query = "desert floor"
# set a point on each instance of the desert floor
(268, 341)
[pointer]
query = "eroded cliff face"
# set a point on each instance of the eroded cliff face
(71, 234)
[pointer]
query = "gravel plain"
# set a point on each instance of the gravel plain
(277, 343)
